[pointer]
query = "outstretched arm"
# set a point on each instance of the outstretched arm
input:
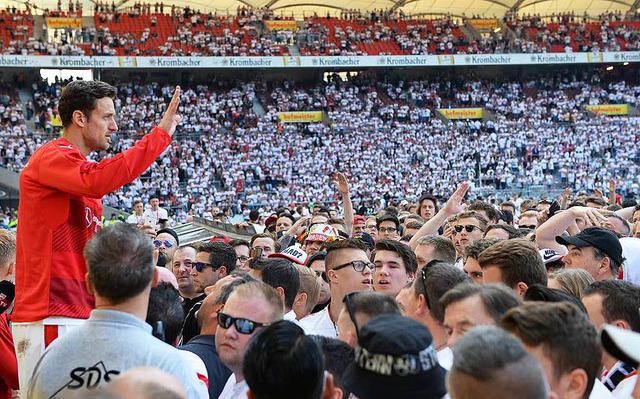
(342, 184)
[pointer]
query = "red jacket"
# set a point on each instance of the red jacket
(8, 362)
(59, 211)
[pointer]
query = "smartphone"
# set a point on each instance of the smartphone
(555, 207)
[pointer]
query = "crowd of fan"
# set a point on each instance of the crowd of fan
(229, 157)
(353, 33)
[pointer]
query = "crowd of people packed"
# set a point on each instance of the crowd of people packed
(145, 29)
(226, 155)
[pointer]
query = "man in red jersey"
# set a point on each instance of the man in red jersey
(60, 209)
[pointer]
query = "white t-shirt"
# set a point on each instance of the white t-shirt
(234, 390)
(154, 216)
(319, 324)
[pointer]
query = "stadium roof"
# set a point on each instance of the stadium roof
(300, 8)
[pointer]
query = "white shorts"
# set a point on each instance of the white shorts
(32, 338)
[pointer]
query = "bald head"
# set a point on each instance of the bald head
(147, 383)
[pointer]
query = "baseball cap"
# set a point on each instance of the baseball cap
(603, 239)
(270, 220)
(322, 232)
(293, 253)
(171, 232)
(359, 219)
(388, 367)
(621, 344)
(549, 255)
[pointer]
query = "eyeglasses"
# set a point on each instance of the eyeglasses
(527, 226)
(469, 228)
(387, 229)
(347, 303)
(372, 227)
(201, 265)
(243, 326)
(357, 265)
(158, 243)
(243, 259)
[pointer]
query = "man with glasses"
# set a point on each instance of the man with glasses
(243, 252)
(371, 227)
(469, 227)
(249, 308)
(348, 269)
(263, 245)
(214, 261)
(167, 242)
(388, 227)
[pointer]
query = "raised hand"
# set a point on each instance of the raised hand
(456, 204)
(341, 183)
(170, 119)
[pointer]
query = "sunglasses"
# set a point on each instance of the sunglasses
(243, 326)
(469, 228)
(201, 265)
(322, 275)
(158, 243)
(527, 226)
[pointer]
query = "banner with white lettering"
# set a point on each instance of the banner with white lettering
(367, 61)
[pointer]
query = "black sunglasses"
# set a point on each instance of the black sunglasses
(357, 265)
(243, 326)
(469, 228)
(201, 265)
(323, 275)
(527, 226)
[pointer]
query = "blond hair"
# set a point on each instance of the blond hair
(309, 285)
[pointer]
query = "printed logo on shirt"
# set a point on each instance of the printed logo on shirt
(88, 377)
(91, 218)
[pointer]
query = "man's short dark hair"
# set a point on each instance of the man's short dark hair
(120, 262)
(567, 336)
(165, 307)
(276, 243)
(518, 261)
(220, 254)
(350, 243)
(337, 358)
(366, 305)
(282, 273)
(254, 215)
(239, 243)
(388, 218)
(82, 95)
(443, 248)
(620, 301)
(512, 231)
(282, 362)
(433, 281)
(474, 249)
(402, 250)
(491, 212)
(487, 359)
(497, 298)
(540, 293)
(287, 215)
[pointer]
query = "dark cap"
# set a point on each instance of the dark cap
(603, 239)
(387, 366)
(170, 232)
